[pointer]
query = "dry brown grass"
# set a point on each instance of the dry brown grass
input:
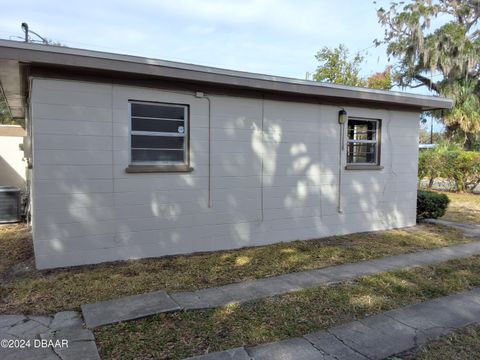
(25, 290)
(183, 334)
(463, 207)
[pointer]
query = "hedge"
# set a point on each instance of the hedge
(459, 166)
(431, 204)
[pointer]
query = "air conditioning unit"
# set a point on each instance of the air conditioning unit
(9, 204)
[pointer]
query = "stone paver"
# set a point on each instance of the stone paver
(52, 331)
(277, 285)
(232, 354)
(138, 306)
(291, 349)
(377, 337)
(128, 308)
(328, 344)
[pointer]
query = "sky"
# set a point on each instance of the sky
(275, 37)
(278, 37)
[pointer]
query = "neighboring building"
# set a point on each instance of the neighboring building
(12, 167)
(134, 157)
(426, 146)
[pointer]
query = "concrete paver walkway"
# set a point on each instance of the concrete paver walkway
(372, 338)
(58, 337)
(137, 306)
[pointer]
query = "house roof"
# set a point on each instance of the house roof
(14, 53)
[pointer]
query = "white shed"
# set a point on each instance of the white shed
(134, 157)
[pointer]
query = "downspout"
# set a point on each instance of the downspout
(201, 95)
(262, 159)
(342, 118)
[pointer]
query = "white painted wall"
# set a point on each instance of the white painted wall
(12, 166)
(87, 209)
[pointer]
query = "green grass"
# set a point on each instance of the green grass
(175, 336)
(460, 345)
(463, 207)
(25, 290)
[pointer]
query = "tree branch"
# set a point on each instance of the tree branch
(427, 82)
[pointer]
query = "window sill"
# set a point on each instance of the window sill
(158, 168)
(363, 167)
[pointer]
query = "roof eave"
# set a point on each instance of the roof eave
(78, 58)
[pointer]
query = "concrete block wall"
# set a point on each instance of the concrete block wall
(275, 170)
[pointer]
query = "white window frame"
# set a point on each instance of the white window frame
(376, 141)
(185, 135)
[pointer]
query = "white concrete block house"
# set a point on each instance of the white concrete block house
(134, 157)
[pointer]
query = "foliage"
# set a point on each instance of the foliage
(448, 161)
(5, 117)
(465, 115)
(444, 59)
(437, 137)
(336, 66)
(431, 205)
(381, 80)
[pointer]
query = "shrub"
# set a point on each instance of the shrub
(460, 166)
(431, 205)
(430, 165)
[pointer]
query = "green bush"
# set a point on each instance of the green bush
(460, 166)
(431, 205)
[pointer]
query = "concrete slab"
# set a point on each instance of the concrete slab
(189, 300)
(332, 346)
(63, 326)
(379, 336)
(244, 291)
(441, 315)
(307, 279)
(128, 308)
(44, 320)
(376, 337)
(78, 350)
(10, 320)
(66, 319)
(27, 329)
(202, 299)
(276, 286)
(232, 354)
(134, 307)
(29, 354)
(214, 297)
(291, 349)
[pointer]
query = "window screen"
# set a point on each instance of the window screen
(362, 141)
(158, 133)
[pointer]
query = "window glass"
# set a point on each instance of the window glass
(362, 141)
(158, 133)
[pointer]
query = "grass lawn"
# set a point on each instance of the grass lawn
(27, 291)
(460, 345)
(463, 208)
(175, 336)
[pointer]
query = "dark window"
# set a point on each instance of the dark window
(363, 142)
(158, 133)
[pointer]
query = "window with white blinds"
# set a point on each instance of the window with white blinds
(158, 133)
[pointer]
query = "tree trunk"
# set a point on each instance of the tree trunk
(469, 141)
